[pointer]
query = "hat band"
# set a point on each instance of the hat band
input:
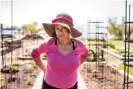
(62, 18)
(65, 25)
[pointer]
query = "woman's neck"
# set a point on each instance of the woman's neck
(65, 41)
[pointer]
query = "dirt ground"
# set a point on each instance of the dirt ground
(24, 79)
(28, 72)
(102, 77)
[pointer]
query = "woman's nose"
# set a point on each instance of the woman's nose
(59, 33)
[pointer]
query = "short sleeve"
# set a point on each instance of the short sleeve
(39, 50)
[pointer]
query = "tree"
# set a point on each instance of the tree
(115, 29)
(30, 27)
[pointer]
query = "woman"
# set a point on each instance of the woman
(64, 54)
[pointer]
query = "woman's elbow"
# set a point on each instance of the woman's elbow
(34, 53)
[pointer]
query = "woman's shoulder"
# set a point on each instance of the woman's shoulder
(79, 42)
(51, 40)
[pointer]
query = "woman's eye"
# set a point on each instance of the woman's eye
(64, 28)
(57, 28)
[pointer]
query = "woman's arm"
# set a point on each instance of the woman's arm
(83, 51)
(40, 63)
(82, 60)
(36, 52)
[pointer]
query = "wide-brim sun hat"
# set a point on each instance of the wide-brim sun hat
(64, 20)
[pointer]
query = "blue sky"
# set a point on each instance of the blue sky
(28, 11)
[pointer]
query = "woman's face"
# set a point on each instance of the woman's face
(62, 32)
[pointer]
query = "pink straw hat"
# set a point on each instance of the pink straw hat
(64, 20)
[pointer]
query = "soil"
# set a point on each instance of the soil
(24, 79)
(102, 76)
(25, 74)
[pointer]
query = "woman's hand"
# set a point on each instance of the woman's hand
(39, 62)
(82, 59)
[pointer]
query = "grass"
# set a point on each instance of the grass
(120, 51)
(117, 43)
(116, 46)
(112, 50)
(7, 39)
(92, 42)
(121, 66)
(119, 47)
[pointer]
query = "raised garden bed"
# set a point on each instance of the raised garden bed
(102, 76)
(24, 78)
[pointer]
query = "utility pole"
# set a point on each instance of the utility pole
(11, 30)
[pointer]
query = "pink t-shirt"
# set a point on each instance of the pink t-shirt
(61, 69)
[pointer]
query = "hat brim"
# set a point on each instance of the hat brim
(50, 30)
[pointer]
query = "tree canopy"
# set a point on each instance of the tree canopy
(30, 27)
(117, 30)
